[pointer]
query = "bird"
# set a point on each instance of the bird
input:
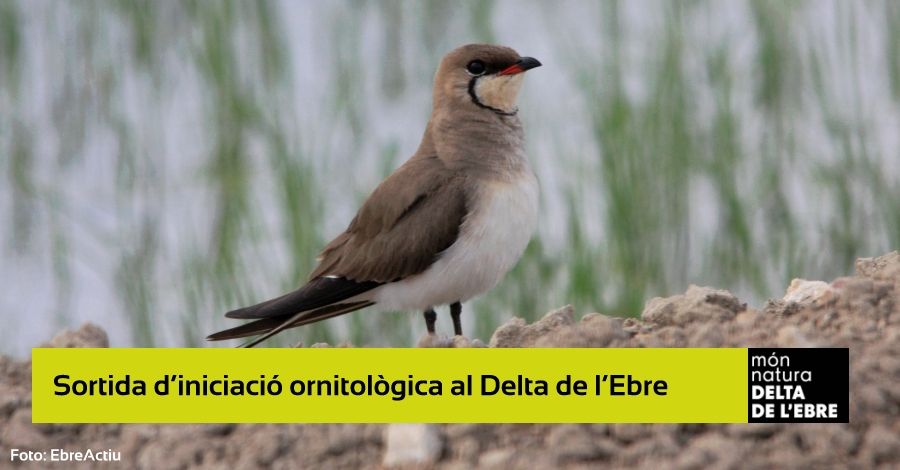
(443, 228)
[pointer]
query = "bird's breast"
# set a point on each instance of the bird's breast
(498, 228)
(502, 218)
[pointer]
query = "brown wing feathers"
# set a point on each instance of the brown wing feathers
(400, 230)
(403, 226)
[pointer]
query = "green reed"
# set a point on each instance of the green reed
(725, 169)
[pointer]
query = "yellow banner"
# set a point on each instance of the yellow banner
(219, 385)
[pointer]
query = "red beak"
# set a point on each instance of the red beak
(525, 63)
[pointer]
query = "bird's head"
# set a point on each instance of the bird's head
(483, 75)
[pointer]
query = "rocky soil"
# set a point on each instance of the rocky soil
(861, 313)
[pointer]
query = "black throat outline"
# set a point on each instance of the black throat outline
(482, 105)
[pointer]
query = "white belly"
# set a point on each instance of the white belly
(491, 240)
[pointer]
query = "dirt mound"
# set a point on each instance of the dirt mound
(861, 313)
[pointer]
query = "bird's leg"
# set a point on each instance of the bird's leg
(455, 311)
(430, 318)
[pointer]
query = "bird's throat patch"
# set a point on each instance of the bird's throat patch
(498, 93)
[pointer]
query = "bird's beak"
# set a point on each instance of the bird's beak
(525, 63)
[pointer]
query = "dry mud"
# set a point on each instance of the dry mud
(861, 313)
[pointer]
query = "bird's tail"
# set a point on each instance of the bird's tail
(267, 327)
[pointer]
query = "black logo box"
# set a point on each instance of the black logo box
(828, 369)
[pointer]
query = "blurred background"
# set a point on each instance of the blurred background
(164, 162)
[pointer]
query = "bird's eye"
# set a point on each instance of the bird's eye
(476, 67)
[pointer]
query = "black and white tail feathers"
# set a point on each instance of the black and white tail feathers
(321, 298)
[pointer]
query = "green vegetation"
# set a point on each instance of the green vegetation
(178, 160)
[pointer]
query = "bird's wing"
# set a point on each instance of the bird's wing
(402, 228)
